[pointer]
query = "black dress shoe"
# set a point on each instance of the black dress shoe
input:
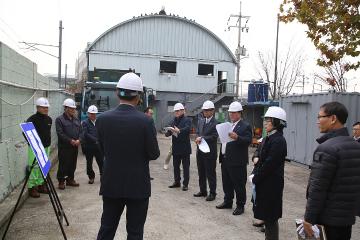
(175, 185)
(185, 188)
(224, 205)
(211, 197)
(200, 194)
(151, 178)
(238, 211)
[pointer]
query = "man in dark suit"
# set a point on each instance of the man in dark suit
(234, 159)
(206, 162)
(128, 141)
(181, 148)
(356, 131)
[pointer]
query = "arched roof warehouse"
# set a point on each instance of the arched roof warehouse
(162, 36)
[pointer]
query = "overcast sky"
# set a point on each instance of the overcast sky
(84, 20)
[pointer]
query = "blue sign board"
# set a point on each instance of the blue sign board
(37, 147)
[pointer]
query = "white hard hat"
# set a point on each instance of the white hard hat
(69, 103)
(178, 106)
(235, 107)
(208, 105)
(92, 109)
(130, 81)
(42, 102)
(276, 112)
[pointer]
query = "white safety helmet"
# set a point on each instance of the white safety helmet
(178, 106)
(208, 105)
(235, 107)
(130, 81)
(276, 112)
(69, 103)
(92, 109)
(42, 102)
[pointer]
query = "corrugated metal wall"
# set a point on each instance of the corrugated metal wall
(141, 44)
(160, 35)
(302, 130)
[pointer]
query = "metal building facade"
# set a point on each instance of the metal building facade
(302, 130)
(142, 42)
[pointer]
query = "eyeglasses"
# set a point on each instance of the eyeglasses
(355, 129)
(324, 116)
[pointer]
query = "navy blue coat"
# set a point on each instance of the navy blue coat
(237, 151)
(89, 135)
(128, 141)
(181, 144)
(269, 177)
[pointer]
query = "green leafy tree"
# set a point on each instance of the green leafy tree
(333, 27)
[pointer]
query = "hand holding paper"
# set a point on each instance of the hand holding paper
(203, 146)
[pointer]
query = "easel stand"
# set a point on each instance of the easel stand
(55, 201)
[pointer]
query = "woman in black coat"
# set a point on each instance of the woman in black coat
(268, 173)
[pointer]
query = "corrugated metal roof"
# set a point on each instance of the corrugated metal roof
(163, 35)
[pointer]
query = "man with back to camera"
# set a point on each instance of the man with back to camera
(334, 182)
(181, 147)
(206, 162)
(234, 158)
(128, 141)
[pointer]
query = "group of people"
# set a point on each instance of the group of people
(123, 141)
(269, 160)
(71, 134)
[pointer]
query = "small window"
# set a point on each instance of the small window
(167, 67)
(206, 70)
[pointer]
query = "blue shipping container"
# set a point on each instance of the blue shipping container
(258, 92)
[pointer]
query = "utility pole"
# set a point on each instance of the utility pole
(276, 56)
(239, 51)
(33, 46)
(65, 76)
(60, 48)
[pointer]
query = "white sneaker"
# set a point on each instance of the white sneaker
(166, 166)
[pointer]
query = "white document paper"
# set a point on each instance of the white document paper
(203, 146)
(223, 130)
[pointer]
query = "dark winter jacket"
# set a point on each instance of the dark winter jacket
(89, 135)
(269, 177)
(42, 124)
(67, 129)
(334, 183)
(181, 144)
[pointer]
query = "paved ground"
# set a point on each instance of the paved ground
(173, 214)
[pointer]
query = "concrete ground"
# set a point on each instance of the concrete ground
(173, 214)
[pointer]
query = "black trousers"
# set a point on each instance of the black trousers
(206, 171)
(90, 153)
(234, 179)
(338, 233)
(67, 163)
(185, 160)
(272, 230)
(136, 211)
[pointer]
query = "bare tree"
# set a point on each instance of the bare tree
(289, 70)
(334, 75)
